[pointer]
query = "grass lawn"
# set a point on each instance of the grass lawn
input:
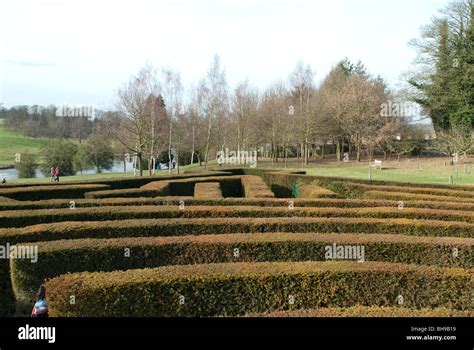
(12, 142)
(408, 170)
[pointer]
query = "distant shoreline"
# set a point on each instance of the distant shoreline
(6, 166)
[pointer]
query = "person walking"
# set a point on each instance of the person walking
(56, 174)
(52, 174)
(40, 309)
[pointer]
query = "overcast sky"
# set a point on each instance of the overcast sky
(82, 51)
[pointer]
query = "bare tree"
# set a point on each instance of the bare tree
(172, 90)
(212, 99)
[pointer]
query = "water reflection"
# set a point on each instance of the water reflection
(11, 174)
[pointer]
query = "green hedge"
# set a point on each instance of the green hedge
(267, 202)
(184, 226)
(230, 186)
(116, 183)
(23, 218)
(255, 187)
(239, 288)
(60, 257)
(50, 192)
(282, 183)
(413, 196)
(368, 311)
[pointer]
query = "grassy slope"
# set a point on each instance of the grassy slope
(12, 142)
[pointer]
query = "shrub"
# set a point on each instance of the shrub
(26, 167)
(49, 192)
(55, 257)
(240, 288)
(207, 190)
(59, 153)
(255, 187)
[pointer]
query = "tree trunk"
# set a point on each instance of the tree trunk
(206, 155)
(358, 152)
(140, 163)
(338, 151)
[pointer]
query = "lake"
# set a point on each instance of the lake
(11, 174)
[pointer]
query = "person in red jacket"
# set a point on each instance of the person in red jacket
(56, 174)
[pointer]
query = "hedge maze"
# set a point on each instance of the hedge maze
(238, 243)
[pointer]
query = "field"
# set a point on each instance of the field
(238, 242)
(12, 142)
(410, 169)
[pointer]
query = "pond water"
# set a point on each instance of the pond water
(11, 174)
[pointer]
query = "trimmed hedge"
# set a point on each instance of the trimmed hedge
(282, 183)
(255, 187)
(8, 200)
(61, 257)
(34, 217)
(50, 192)
(413, 196)
(117, 183)
(368, 311)
(239, 288)
(207, 190)
(268, 202)
(184, 226)
(230, 186)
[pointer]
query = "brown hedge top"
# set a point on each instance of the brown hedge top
(167, 211)
(264, 202)
(338, 238)
(368, 311)
(52, 188)
(99, 280)
(75, 229)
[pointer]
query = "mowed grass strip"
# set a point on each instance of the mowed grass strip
(368, 311)
(231, 289)
(207, 190)
(22, 218)
(403, 196)
(60, 257)
(262, 202)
